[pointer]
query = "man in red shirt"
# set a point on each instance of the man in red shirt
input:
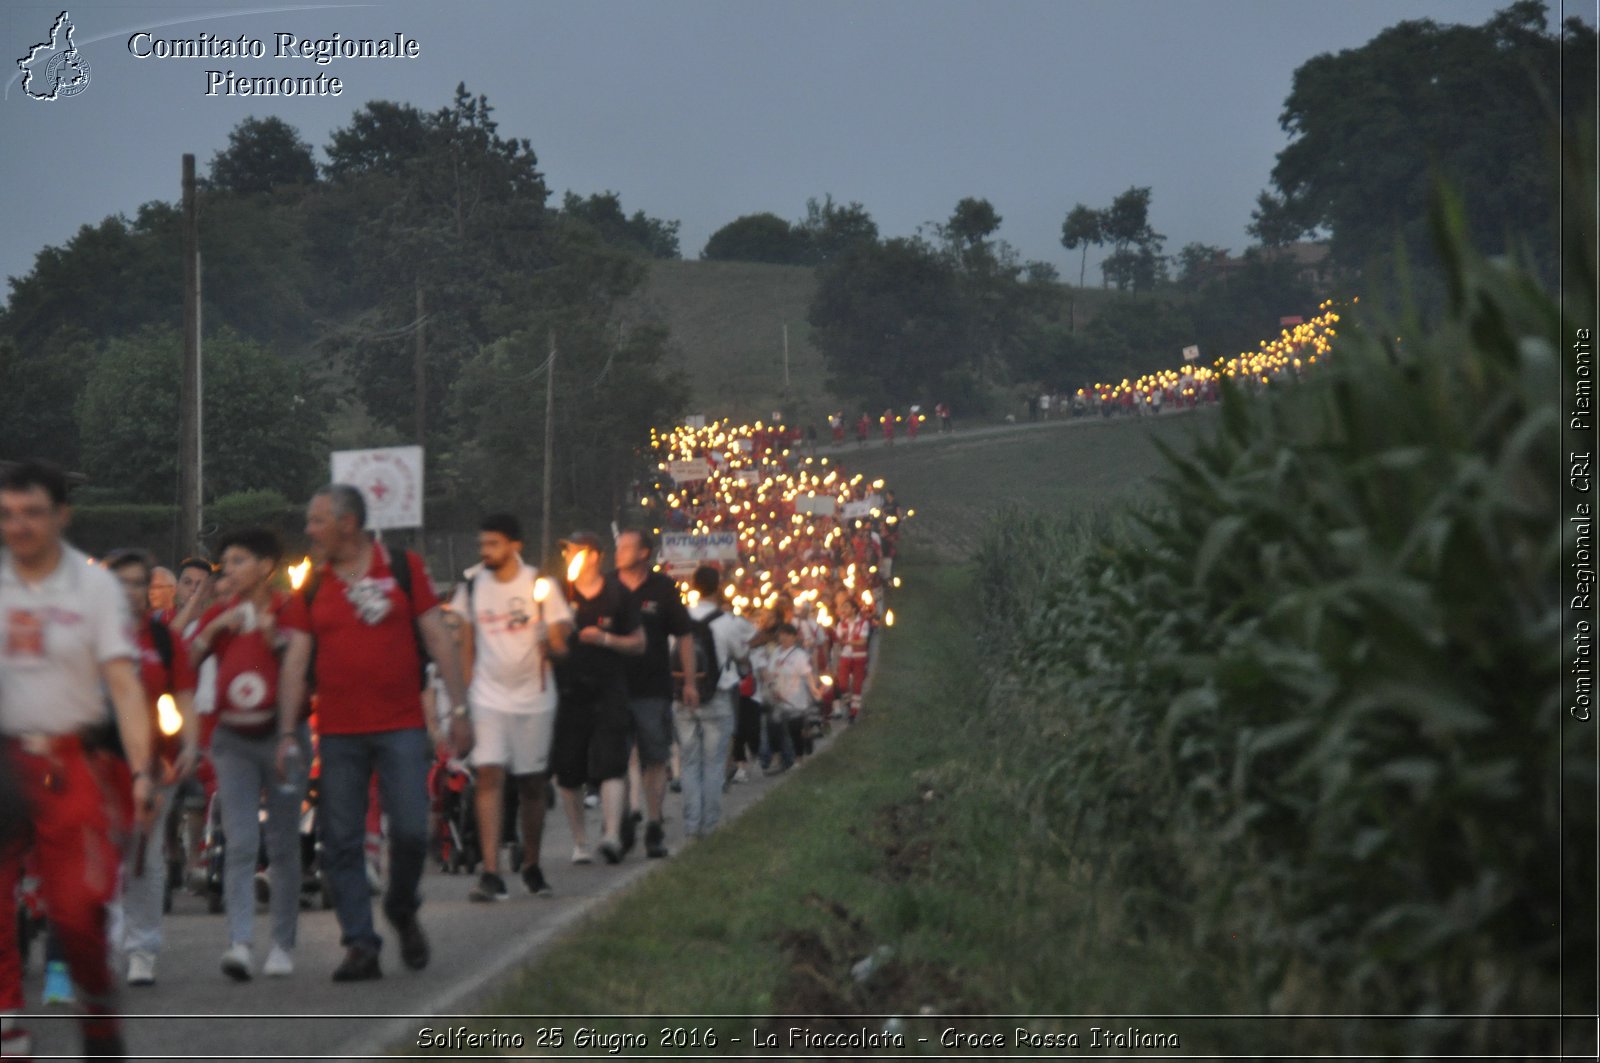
(366, 625)
(163, 670)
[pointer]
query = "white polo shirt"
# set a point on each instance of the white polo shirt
(54, 635)
(509, 670)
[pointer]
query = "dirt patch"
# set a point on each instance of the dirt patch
(906, 833)
(840, 970)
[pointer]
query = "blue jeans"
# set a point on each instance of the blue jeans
(704, 735)
(401, 760)
(247, 778)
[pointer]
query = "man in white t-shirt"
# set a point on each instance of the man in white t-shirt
(512, 622)
(66, 640)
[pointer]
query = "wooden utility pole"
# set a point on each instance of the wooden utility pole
(189, 471)
(420, 372)
(549, 449)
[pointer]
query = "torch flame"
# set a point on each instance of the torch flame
(888, 618)
(541, 589)
(575, 565)
(298, 573)
(167, 715)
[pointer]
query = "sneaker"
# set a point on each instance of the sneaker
(490, 887)
(779, 769)
(630, 831)
(360, 965)
(580, 855)
(280, 963)
(740, 774)
(15, 1041)
(58, 984)
(141, 967)
(414, 949)
(591, 800)
(236, 962)
(676, 786)
(655, 843)
(533, 878)
(104, 1045)
(611, 849)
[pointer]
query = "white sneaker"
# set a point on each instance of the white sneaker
(141, 967)
(580, 855)
(280, 963)
(236, 962)
(740, 774)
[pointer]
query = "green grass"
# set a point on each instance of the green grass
(956, 483)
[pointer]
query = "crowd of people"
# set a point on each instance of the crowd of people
(132, 696)
(1287, 357)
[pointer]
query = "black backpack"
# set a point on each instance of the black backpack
(400, 568)
(707, 671)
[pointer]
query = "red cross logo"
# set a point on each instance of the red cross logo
(379, 489)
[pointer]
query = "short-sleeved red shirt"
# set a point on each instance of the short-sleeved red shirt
(367, 673)
(158, 678)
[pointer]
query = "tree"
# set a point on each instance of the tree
(763, 237)
(890, 319)
(831, 230)
(603, 211)
(1135, 261)
(1197, 263)
(972, 222)
(1371, 128)
(262, 154)
(1275, 222)
(1082, 228)
(266, 417)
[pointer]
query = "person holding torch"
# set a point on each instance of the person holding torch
(169, 685)
(594, 722)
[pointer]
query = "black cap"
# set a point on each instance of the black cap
(586, 540)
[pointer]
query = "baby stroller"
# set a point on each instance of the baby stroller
(314, 887)
(453, 792)
(214, 847)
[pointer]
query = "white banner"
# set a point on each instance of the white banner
(1190, 353)
(389, 478)
(822, 505)
(863, 508)
(695, 420)
(682, 553)
(689, 471)
(747, 476)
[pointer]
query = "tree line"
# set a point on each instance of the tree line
(426, 244)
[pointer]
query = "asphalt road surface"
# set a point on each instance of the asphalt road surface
(194, 1011)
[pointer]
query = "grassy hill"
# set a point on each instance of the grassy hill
(727, 321)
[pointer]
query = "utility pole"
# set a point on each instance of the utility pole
(189, 472)
(421, 373)
(549, 448)
(421, 400)
(786, 358)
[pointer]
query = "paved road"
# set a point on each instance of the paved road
(195, 1012)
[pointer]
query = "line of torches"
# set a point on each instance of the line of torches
(747, 493)
(1293, 349)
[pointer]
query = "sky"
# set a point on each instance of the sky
(705, 110)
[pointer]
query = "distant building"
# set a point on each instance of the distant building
(1313, 259)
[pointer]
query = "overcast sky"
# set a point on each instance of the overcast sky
(703, 110)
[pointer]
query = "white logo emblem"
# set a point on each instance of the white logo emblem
(247, 691)
(55, 68)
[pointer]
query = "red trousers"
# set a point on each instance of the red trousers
(852, 674)
(80, 808)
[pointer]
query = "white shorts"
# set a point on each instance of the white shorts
(518, 741)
